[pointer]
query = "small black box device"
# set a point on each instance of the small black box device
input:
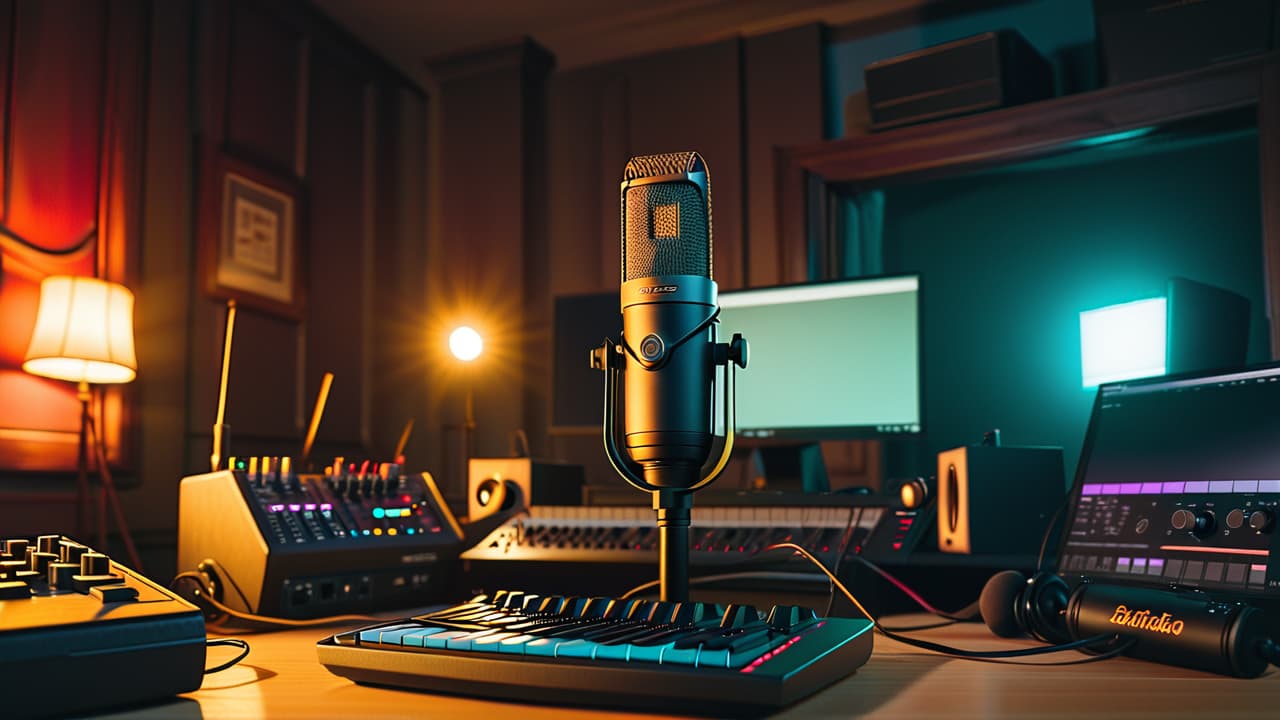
(1139, 39)
(540, 482)
(997, 499)
(973, 74)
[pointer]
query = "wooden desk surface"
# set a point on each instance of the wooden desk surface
(281, 678)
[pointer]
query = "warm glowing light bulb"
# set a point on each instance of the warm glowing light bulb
(465, 344)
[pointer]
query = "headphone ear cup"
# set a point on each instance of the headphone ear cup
(1040, 606)
(998, 603)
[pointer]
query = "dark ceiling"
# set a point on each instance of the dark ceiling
(582, 32)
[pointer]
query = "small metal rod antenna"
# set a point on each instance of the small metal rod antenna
(220, 439)
(316, 413)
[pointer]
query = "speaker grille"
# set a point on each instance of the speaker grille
(666, 226)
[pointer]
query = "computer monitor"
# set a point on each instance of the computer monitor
(828, 361)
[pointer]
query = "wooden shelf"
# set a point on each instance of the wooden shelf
(808, 174)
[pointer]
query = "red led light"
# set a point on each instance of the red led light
(897, 546)
(406, 498)
(772, 653)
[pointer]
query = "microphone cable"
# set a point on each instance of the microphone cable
(203, 594)
(1006, 657)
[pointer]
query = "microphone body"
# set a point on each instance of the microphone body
(1183, 629)
(669, 308)
(668, 405)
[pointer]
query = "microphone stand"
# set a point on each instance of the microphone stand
(674, 484)
(674, 508)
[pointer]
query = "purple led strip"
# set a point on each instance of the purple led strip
(1181, 487)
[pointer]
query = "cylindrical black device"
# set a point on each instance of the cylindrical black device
(1184, 629)
(668, 302)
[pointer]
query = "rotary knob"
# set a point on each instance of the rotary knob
(1182, 520)
(1235, 519)
(913, 493)
(1204, 524)
(1262, 520)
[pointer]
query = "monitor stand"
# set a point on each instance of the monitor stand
(792, 468)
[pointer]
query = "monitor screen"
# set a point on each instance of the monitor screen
(1179, 484)
(582, 322)
(828, 360)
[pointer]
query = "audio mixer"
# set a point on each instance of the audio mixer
(80, 632)
(354, 539)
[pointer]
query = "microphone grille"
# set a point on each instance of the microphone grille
(997, 601)
(666, 226)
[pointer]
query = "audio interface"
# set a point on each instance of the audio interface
(1214, 535)
(304, 545)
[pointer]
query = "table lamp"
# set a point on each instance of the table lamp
(84, 334)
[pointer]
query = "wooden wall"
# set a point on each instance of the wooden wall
(524, 170)
(71, 100)
(276, 86)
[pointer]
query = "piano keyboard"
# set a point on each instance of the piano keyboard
(601, 651)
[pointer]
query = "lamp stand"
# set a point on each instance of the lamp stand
(107, 491)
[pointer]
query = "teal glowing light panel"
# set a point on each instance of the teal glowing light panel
(1121, 342)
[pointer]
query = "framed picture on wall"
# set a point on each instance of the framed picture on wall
(250, 235)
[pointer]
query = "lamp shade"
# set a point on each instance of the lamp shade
(83, 332)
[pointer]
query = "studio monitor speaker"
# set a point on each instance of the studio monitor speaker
(997, 499)
(540, 483)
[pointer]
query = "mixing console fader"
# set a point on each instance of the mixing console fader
(301, 545)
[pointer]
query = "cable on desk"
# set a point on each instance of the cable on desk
(229, 642)
(998, 656)
(202, 595)
(968, 612)
(721, 577)
(1048, 532)
(845, 538)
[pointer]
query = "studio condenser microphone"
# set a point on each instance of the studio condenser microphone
(1189, 629)
(668, 355)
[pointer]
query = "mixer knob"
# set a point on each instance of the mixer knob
(16, 549)
(1262, 520)
(1204, 523)
(70, 552)
(288, 477)
(1182, 520)
(48, 543)
(94, 563)
(1235, 519)
(61, 574)
(39, 562)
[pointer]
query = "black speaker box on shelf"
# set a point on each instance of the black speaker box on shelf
(1139, 39)
(983, 72)
(997, 499)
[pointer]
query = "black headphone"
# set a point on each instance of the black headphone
(1011, 605)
